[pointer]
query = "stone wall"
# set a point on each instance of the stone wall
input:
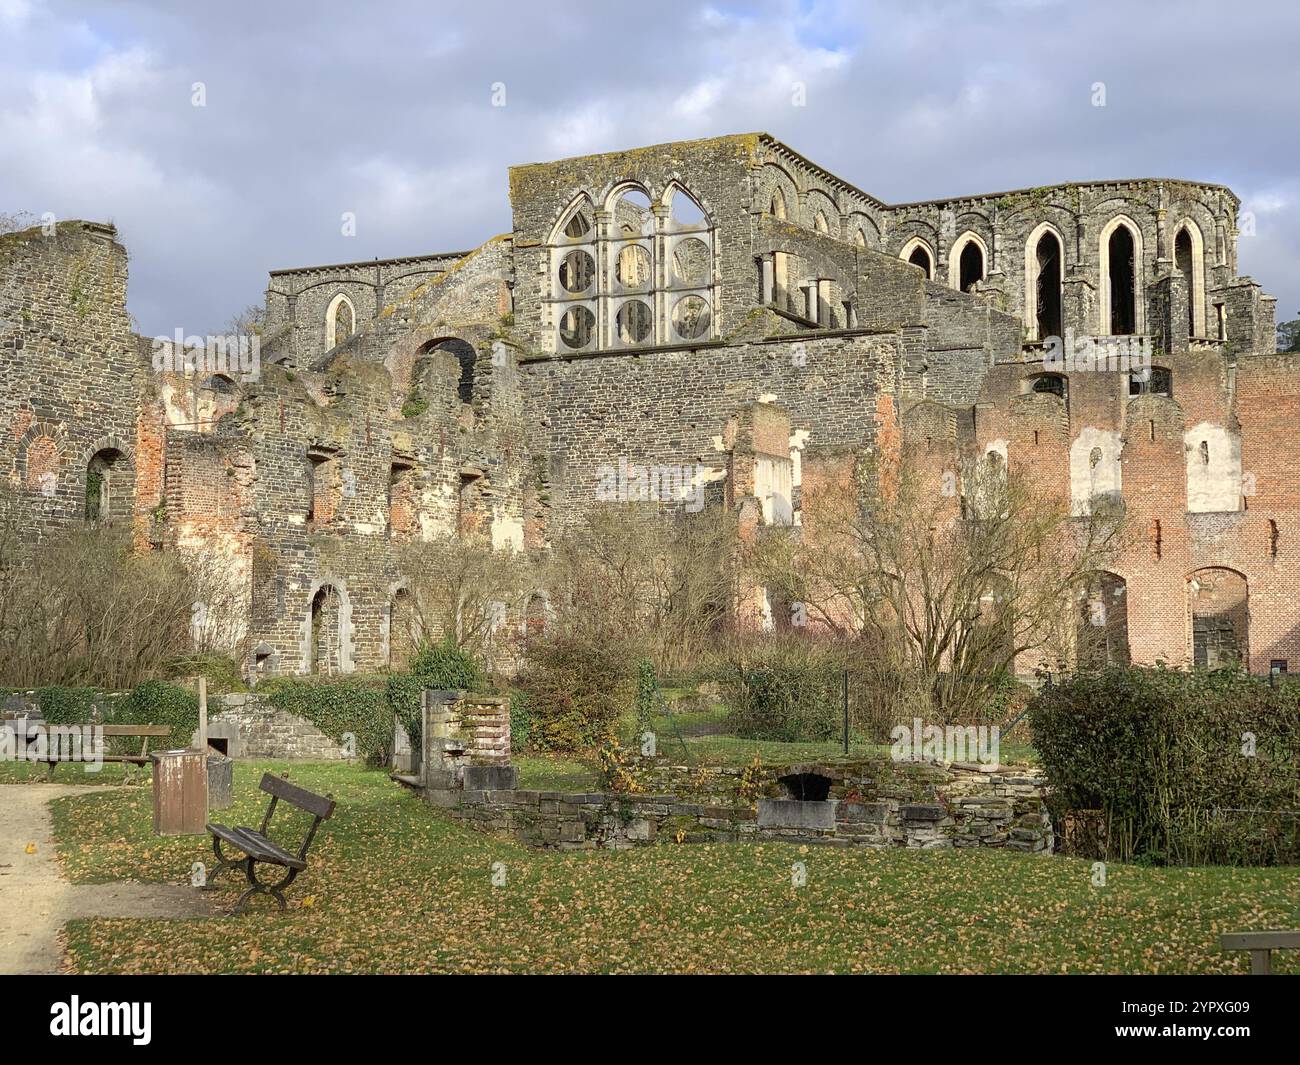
(1004, 811)
(72, 374)
(252, 728)
(868, 803)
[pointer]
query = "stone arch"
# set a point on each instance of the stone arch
(916, 249)
(864, 231)
(968, 263)
(676, 187)
(772, 178)
(1044, 298)
(576, 223)
(628, 187)
(400, 627)
(109, 482)
(1121, 289)
(1218, 617)
(466, 358)
(340, 314)
(822, 211)
(327, 642)
(1189, 259)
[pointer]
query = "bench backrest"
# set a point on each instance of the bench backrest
(137, 730)
(321, 806)
(1275, 939)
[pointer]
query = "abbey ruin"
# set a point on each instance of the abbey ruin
(714, 323)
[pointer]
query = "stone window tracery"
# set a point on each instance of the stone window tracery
(634, 274)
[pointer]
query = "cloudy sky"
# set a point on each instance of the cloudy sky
(385, 109)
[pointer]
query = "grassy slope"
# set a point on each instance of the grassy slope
(396, 887)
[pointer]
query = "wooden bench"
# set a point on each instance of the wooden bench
(258, 848)
(143, 732)
(1261, 946)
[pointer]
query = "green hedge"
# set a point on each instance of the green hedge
(155, 702)
(785, 688)
(577, 689)
(1161, 754)
(358, 705)
(67, 706)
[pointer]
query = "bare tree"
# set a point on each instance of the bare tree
(663, 582)
(462, 590)
(950, 589)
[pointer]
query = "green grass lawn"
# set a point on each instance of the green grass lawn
(395, 886)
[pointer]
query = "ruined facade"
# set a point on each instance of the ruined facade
(719, 322)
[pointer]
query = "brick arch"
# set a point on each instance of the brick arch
(1218, 616)
(31, 467)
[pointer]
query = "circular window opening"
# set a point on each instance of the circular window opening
(577, 272)
(691, 262)
(577, 326)
(634, 322)
(691, 317)
(633, 267)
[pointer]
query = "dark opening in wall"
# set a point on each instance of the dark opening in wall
(1051, 383)
(1183, 260)
(106, 499)
(1048, 255)
(808, 787)
(1121, 267)
(970, 266)
(920, 257)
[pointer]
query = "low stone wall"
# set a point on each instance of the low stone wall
(1000, 810)
(252, 728)
(868, 803)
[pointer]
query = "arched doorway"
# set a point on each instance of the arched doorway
(107, 487)
(1218, 605)
(324, 640)
(921, 257)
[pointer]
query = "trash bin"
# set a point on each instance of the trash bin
(180, 793)
(220, 781)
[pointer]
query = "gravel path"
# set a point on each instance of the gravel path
(36, 900)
